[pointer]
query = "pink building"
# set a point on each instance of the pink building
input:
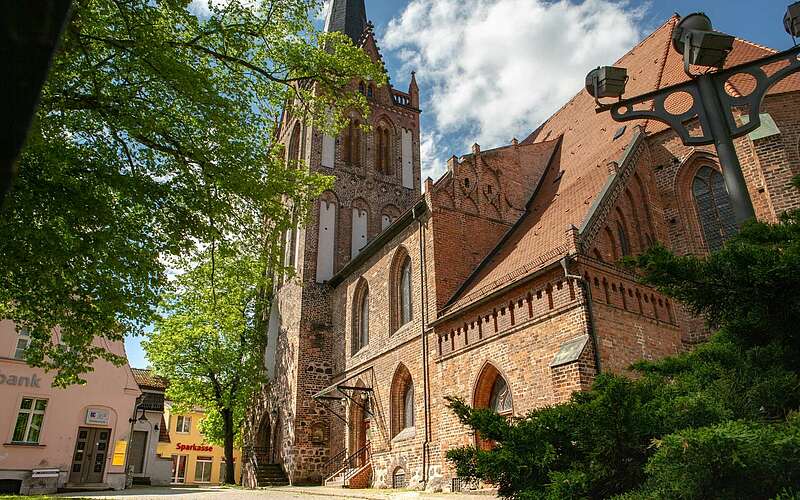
(51, 438)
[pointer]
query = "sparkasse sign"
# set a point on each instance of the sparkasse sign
(194, 447)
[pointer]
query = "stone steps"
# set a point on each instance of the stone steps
(271, 475)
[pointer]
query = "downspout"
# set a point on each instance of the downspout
(425, 381)
(587, 287)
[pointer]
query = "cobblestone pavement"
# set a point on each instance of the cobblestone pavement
(287, 493)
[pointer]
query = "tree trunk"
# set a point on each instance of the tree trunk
(230, 464)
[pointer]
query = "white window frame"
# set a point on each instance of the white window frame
(186, 428)
(176, 461)
(30, 413)
(22, 336)
(207, 462)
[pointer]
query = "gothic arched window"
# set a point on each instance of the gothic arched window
(408, 407)
(623, 240)
(500, 398)
(294, 144)
(492, 391)
(352, 143)
(402, 401)
(714, 207)
(360, 318)
(405, 292)
(383, 143)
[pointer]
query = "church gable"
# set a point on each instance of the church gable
(477, 202)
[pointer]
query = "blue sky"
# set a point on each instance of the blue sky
(490, 70)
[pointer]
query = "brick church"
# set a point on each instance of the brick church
(498, 283)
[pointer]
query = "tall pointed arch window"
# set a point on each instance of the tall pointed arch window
(400, 290)
(624, 244)
(500, 398)
(402, 401)
(361, 318)
(294, 144)
(352, 143)
(714, 207)
(493, 392)
(405, 292)
(383, 147)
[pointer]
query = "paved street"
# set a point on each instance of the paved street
(287, 493)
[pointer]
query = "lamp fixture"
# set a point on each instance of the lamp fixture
(694, 38)
(606, 81)
(791, 21)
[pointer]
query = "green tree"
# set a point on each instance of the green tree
(156, 134)
(718, 422)
(208, 344)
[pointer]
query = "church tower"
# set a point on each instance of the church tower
(377, 178)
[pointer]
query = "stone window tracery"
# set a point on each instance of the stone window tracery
(714, 208)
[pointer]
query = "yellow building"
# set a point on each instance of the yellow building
(194, 461)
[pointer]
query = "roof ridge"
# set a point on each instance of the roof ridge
(672, 20)
(758, 45)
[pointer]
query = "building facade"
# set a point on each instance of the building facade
(54, 438)
(150, 430)
(500, 284)
(377, 178)
(194, 461)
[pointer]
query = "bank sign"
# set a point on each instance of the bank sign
(20, 380)
(194, 447)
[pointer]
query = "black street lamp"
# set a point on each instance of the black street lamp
(712, 105)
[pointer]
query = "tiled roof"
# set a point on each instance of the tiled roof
(147, 380)
(580, 170)
(348, 17)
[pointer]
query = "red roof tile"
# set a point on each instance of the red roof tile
(588, 145)
(147, 380)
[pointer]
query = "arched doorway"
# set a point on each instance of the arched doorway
(263, 442)
(359, 425)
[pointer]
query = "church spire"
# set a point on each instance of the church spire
(348, 17)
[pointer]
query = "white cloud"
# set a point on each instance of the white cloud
(432, 165)
(495, 69)
(202, 8)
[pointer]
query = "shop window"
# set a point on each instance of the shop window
(23, 341)
(179, 469)
(28, 428)
(184, 424)
(202, 469)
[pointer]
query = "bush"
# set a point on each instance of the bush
(712, 423)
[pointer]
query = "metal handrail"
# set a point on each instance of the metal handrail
(334, 465)
(355, 462)
(348, 466)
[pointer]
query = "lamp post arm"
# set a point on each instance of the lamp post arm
(715, 109)
(651, 106)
